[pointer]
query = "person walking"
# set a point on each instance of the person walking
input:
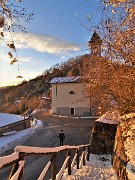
(62, 137)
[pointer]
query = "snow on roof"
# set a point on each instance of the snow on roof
(110, 118)
(6, 119)
(66, 79)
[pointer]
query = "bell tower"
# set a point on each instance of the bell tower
(95, 44)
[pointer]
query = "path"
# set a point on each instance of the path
(77, 132)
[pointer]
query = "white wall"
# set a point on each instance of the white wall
(62, 98)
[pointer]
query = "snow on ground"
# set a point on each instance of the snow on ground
(7, 141)
(76, 117)
(98, 167)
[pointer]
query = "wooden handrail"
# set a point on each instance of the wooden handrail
(17, 173)
(81, 160)
(84, 156)
(21, 152)
(59, 175)
(42, 175)
(46, 151)
(73, 162)
(6, 161)
(69, 162)
(16, 166)
(77, 158)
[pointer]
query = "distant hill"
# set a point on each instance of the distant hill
(39, 85)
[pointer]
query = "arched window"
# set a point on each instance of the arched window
(71, 92)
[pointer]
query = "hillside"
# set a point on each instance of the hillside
(35, 88)
(109, 81)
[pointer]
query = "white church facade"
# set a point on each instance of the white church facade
(68, 96)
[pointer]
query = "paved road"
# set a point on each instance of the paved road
(77, 131)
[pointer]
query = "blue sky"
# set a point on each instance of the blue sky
(55, 35)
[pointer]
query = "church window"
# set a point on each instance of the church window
(71, 92)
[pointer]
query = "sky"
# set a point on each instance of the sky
(56, 34)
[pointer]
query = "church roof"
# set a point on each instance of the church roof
(66, 79)
(95, 37)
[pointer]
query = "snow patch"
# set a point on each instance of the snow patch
(110, 118)
(98, 167)
(7, 141)
(129, 144)
(77, 117)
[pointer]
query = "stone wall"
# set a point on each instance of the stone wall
(117, 139)
(102, 138)
(124, 150)
(18, 126)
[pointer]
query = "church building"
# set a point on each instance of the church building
(68, 92)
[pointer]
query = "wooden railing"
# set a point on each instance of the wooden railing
(17, 159)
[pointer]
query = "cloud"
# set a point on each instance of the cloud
(25, 59)
(43, 43)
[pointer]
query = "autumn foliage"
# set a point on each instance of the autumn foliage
(110, 85)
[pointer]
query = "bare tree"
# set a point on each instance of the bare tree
(11, 16)
(117, 29)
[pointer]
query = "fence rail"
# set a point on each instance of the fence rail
(17, 159)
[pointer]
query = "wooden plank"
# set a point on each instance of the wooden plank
(46, 151)
(84, 160)
(16, 166)
(7, 160)
(42, 175)
(69, 162)
(88, 154)
(17, 174)
(77, 158)
(73, 162)
(53, 175)
(81, 160)
(60, 173)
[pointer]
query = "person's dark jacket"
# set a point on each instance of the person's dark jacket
(61, 136)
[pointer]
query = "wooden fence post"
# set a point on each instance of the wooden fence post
(53, 160)
(88, 154)
(14, 169)
(69, 163)
(16, 165)
(77, 158)
(84, 156)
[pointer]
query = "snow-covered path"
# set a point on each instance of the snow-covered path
(97, 168)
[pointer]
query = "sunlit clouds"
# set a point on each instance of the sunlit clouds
(43, 43)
